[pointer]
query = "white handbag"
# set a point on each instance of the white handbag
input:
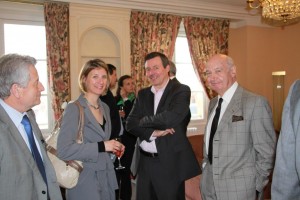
(67, 172)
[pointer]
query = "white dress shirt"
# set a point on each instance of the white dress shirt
(226, 100)
(151, 146)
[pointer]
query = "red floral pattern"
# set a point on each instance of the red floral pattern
(58, 59)
(150, 32)
(206, 37)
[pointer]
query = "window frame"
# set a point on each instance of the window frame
(196, 126)
(25, 14)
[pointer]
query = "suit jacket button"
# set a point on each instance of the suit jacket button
(43, 192)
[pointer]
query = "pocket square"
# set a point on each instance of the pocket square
(237, 118)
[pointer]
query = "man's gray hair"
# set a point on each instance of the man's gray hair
(230, 62)
(172, 68)
(14, 69)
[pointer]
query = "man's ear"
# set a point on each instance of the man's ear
(168, 68)
(233, 71)
(15, 90)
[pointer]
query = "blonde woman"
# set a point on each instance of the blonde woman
(98, 179)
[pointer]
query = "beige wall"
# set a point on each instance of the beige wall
(98, 32)
(259, 51)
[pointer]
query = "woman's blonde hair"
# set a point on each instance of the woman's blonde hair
(87, 68)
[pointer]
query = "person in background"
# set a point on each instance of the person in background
(116, 122)
(109, 99)
(159, 119)
(98, 179)
(286, 181)
(25, 170)
(239, 157)
(125, 98)
(172, 72)
(172, 75)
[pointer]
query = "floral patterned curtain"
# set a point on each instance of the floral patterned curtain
(58, 59)
(206, 37)
(150, 32)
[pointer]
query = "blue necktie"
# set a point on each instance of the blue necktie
(35, 152)
(213, 129)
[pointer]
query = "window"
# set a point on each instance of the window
(31, 42)
(186, 75)
(27, 37)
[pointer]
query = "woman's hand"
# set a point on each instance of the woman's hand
(113, 146)
(122, 113)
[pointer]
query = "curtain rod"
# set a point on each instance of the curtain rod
(34, 2)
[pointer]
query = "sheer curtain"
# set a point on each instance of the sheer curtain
(206, 37)
(58, 59)
(150, 32)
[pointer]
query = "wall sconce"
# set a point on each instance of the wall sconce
(278, 98)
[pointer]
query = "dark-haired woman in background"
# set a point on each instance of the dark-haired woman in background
(125, 97)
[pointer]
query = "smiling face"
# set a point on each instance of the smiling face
(156, 73)
(220, 73)
(96, 81)
(30, 95)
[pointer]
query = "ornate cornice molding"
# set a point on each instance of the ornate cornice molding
(238, 15)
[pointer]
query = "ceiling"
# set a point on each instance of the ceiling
(235, 10)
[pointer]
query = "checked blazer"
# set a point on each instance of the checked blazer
(243, 149)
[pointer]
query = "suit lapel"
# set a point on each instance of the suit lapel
(91, 119)
(39, 136)
(234, 105)
(164, 97)
(212, 104)
(106, 117)
(150, 99)
(16, 135)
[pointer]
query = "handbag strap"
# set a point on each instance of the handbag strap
(79, 138)
(72, 163)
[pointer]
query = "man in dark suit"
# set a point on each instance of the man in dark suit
(239, 144)
(159, 119)
(25, 170)
(110, 100)
(172, 72)
(116, 123)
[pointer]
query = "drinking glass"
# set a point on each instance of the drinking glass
(121, 110)
(119, 155)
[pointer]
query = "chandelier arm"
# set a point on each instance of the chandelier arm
(251, 4)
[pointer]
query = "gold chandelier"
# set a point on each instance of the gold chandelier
(279, 10)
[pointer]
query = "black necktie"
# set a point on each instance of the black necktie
(34, 150)
(213, 129)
